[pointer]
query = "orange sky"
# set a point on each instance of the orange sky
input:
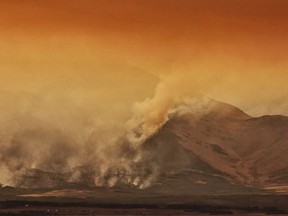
(120, 43)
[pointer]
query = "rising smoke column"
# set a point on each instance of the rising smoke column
(149, 115)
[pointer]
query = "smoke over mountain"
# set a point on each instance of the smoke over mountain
(63, 135)
(48, 139)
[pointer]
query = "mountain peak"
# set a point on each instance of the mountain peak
(226, 142)
(224, 110)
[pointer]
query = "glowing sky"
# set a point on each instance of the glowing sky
(232, 50)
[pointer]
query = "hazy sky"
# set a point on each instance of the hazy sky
(231, 50)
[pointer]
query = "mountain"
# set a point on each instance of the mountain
(224, 147)
(220, 150)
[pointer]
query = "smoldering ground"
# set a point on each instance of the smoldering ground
(58, 135)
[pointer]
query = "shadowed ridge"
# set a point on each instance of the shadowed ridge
(250, 151)
(224, 110)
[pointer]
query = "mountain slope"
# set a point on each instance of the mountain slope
(227, 143)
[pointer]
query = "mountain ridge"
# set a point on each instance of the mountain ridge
(249, 150)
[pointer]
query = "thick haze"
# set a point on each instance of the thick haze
(237, 49)
(87, 73)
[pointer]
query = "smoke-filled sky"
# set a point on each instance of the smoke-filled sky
(82, 81)
(231, 50)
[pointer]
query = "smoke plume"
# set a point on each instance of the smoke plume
(73, 139)
(60, 135)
